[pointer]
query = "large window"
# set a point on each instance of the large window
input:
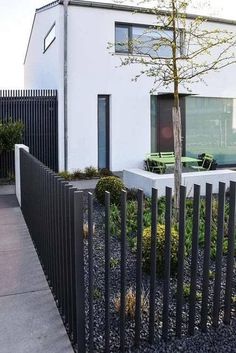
(143, 40)
(211, 128)
(103, 132)
(50, 37)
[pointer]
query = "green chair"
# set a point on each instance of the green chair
(206, 163)
(167, 154)
(154, 167)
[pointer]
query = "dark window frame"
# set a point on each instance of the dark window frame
(130, 26)
(45, 47)
(107, 97)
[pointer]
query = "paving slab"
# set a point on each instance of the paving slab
(20, 271)
(11, 216)
(30, 323)
(7, 189)
(8, 201)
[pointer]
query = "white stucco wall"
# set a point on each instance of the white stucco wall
(44, 70)
(93, 70)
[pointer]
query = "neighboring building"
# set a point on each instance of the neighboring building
(109, 120)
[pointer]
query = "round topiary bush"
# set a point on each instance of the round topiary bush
(160, 249)
(112, 184)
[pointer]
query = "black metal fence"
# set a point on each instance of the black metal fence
(37, 110)
(54, 213)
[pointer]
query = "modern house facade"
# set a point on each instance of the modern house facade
(107, 120)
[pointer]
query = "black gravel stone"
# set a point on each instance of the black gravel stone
(220, 340)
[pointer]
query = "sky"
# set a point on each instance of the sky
(16, 17)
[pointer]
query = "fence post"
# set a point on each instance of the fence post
(206, 260)
(17, 170)
(167, 264)
(153, 267)
(139, 268)
(180, 273)
(219, 253)
(194, 258)
(230, 255)
(123, 269)
(79, 271)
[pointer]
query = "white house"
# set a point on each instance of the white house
(106, 119)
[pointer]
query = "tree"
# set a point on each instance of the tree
(10, 134)
(177, 51)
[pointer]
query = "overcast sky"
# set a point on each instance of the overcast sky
(16, 18)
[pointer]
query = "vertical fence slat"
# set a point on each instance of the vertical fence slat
(72, 265)
(219, 253)
(79, 270)
(67, 257)
(139, 269)
(194, 258)
(123, 270)
(180, 272)
(153, 267)
(38, 112)
(90, 263)
(107, 272)
(206, 259)
(167, 252)
(230, 255)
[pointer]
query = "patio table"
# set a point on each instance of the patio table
(171, 160)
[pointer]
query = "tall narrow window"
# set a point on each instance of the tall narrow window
(103, 132)
(50, 37)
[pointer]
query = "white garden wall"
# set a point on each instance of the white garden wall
(140, 179)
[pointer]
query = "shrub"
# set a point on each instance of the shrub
(130, 303)
(160, 249)
(78, 174)
(90, 172)
(105, 172)
(10, 134)
(65, 175)
(112, 184)
(132, 194)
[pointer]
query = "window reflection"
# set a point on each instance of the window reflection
(211, 127)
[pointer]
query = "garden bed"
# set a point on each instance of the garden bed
(222, 339)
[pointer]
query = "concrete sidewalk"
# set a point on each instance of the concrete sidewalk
(30, 322)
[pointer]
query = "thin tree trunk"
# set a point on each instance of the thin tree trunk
(176, 117)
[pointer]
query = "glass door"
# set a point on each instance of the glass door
(162, 138)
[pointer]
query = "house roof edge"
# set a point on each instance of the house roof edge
(122, 7)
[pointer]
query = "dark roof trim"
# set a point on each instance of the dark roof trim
(31, 31)
(122, 7)
(138, 9)
(48, 6)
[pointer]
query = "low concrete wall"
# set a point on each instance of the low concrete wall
(17, 170)
(140, 179)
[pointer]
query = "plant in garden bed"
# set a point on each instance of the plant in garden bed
(104, 172)
(112, 184)
(186, 292)
(90, 172)
(132, 225)
(160, 250)
(65, 175)
(78, 174)
(130, 303)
